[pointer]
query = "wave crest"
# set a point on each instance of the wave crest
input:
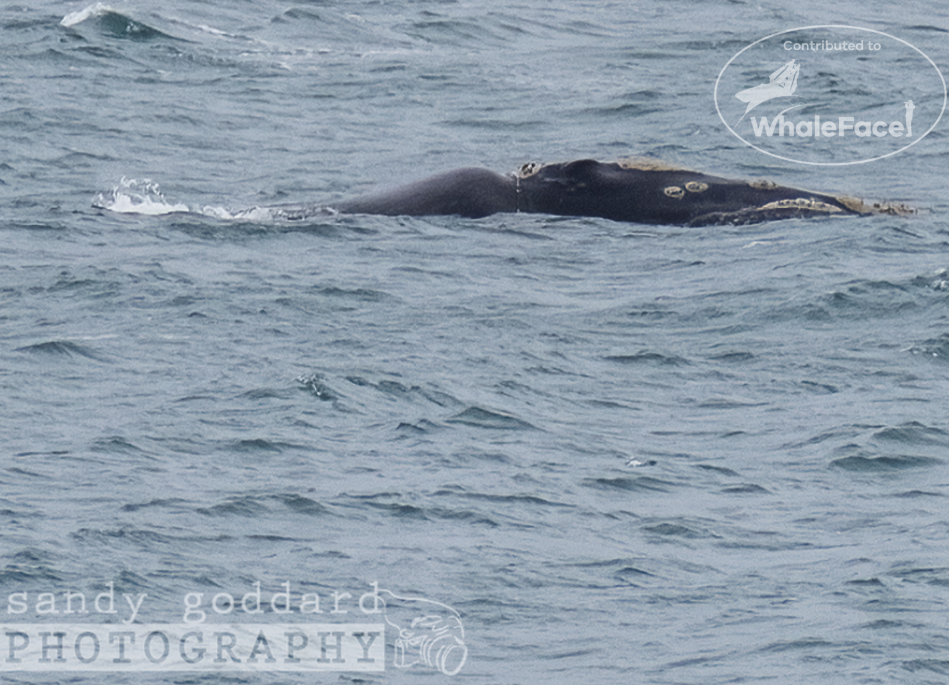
(113, 22)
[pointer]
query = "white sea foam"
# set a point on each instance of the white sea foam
(96, 10)
(250, 214)
(144, 197)
(137, 197)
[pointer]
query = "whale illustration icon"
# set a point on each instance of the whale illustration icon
(782, 83)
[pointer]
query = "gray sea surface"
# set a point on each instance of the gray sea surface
(614, 453)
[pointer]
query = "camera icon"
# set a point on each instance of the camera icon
(429, 633)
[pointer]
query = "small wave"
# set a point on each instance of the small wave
(648, 357)
(483, 418)
(642, 484)
(678, 530)
(113, 22)
(884, 463)
(110, 536)
(937, 348)
(171, 503)
(96, 10)
(914, 433)
(235, 506)
(747, 489)
(530, 500)
(60, 348)
(302, 505)
(939, 666)
(116, 445)
(315, 384)
(254, 446)
(29, 566)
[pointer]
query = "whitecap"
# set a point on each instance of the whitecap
(137, 197)
(251, 214)
(132, 196)
(96, 10)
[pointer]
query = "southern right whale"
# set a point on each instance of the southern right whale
(634, 190)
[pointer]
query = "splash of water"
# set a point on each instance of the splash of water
(144, 197)
(132, 196)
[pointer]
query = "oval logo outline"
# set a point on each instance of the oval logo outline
(945, 95)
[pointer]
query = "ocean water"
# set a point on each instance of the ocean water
(613, 453)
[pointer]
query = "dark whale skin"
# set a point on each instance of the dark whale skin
(640, 191)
